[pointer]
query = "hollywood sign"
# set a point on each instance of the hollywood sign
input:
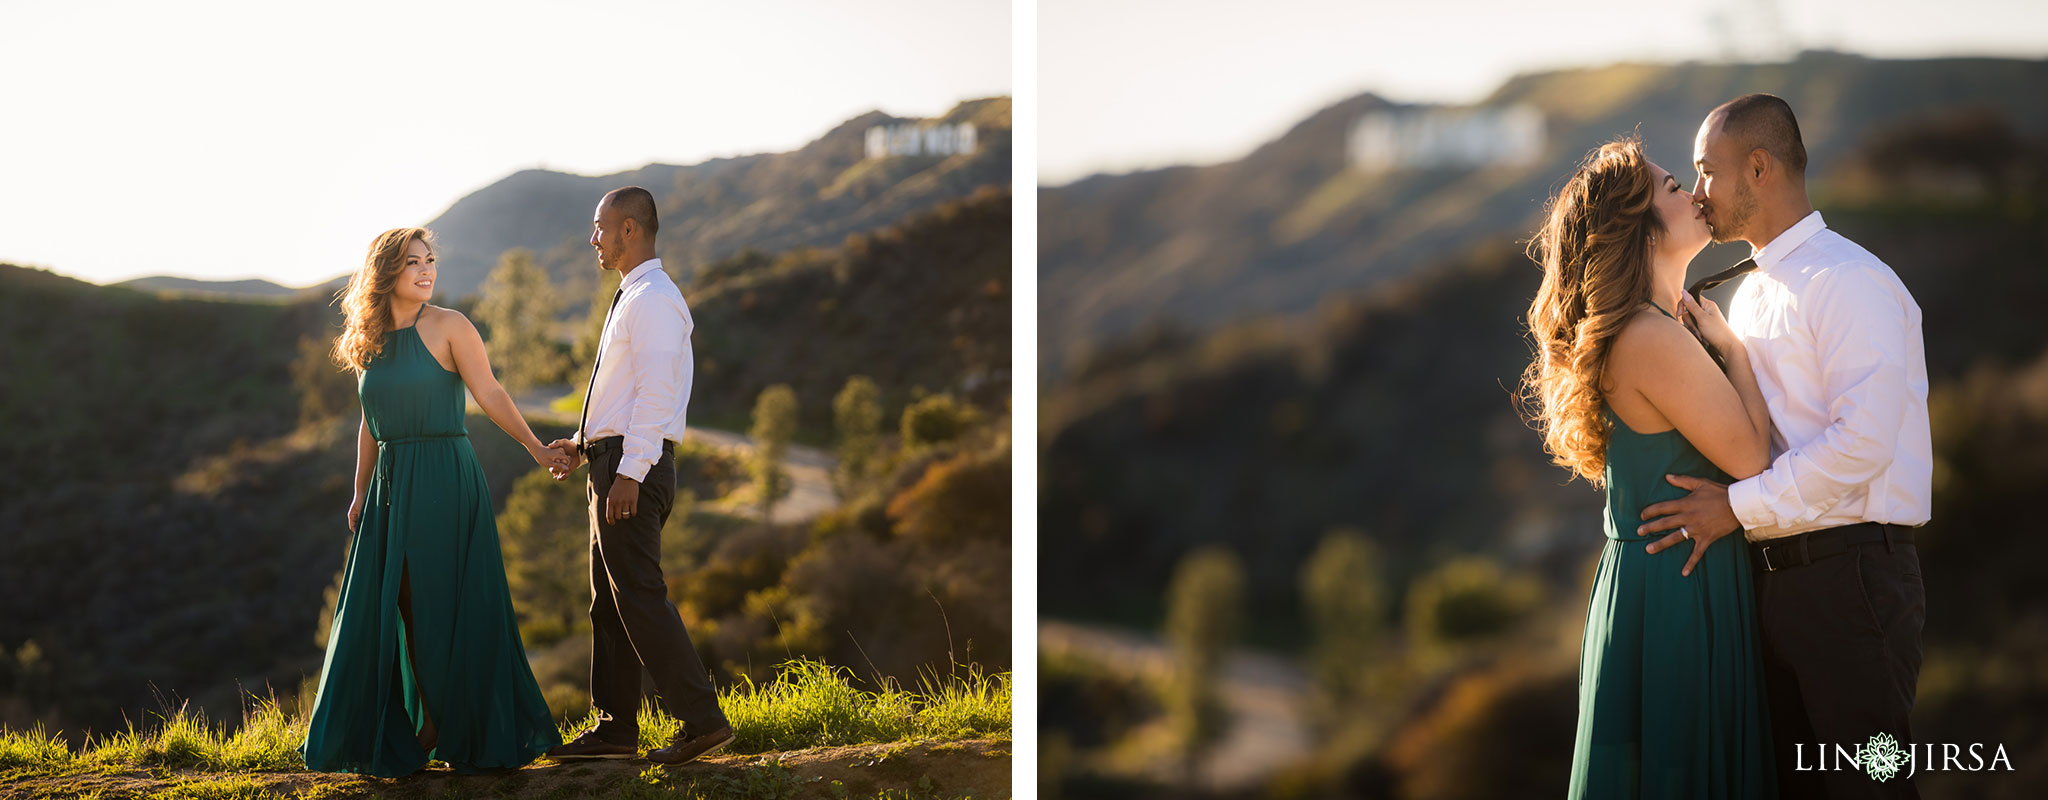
(920, 139)
(1383, 141)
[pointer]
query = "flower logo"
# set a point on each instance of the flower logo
(1882, 757)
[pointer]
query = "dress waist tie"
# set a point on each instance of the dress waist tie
(383, 473)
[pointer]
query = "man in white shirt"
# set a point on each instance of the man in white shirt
(633, 416)
(1834, 338)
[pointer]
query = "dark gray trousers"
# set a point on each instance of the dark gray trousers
(633, 623)
(1841, 651)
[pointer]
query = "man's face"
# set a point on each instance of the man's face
(1721, 192)
(606, 235)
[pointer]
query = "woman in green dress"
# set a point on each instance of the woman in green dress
(1671, 698)
(424, 659)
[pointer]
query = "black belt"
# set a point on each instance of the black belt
(598, 447)
(1801, 549)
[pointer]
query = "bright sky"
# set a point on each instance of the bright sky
(1131, 84)
(225, 140)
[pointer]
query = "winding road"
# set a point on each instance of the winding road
(809, 468)
(1265, 695)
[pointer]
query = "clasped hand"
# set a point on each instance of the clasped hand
(621, 502)
(570, 457)
(559, 460)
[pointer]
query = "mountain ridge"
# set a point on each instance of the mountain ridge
(1292, 221)
(813, 196)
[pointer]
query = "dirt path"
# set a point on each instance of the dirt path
(810, 469)
(810, 473)
(1265, 695)
(980, 766)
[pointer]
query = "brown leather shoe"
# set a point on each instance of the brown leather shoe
(590, 745)
(684, 749)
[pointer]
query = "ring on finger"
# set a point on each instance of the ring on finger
(1685, 533)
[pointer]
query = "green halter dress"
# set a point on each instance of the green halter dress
(428, 516)
(1671, 694)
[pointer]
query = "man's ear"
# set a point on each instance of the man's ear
(1760, 164)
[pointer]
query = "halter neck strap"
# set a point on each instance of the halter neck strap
(415, 318)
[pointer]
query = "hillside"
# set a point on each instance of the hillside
(923, 304)
(1292, 221)
(813, 196)
(219, 290)
(120, 378)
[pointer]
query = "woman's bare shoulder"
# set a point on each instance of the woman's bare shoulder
(1648, 333)
(445, 320)
(1647, 342)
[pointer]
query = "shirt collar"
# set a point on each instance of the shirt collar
(646, 268)
(1774, 253)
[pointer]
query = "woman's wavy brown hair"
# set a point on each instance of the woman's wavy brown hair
(365, 303)
(1594, 248)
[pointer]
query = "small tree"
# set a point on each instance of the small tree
(1204, 605)
(1342, 589)
(543, 528)
(774, 424)
(584, 352)
(935, 420)
(857, 417)
(518, 307)
(1466, 600)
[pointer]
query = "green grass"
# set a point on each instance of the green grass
(809, 704)
(267, 741)
(973, 706)
(812, 704)
(31, 748)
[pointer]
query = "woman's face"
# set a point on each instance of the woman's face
(415, 282)
(1685, 228)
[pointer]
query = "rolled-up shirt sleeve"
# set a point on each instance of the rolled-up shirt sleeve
(661, 381)
(1861, 331)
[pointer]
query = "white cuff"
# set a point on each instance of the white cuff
(1746, 499)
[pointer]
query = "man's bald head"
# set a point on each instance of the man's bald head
(1763, 122)
(623, 228)
(1752, 167)
(636, 204)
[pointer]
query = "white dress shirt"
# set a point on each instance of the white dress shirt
(644, 365)
(1834, 338)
